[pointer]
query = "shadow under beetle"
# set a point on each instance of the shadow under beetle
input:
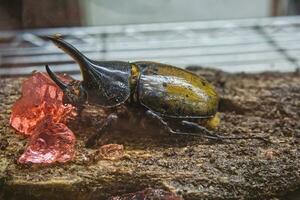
(162, 92)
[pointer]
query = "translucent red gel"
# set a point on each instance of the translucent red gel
(41, 114)
(40, 97)
(50, 142)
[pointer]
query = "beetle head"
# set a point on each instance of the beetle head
(74, 93)
(105, 83)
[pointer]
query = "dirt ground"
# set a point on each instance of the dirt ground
(265, 104)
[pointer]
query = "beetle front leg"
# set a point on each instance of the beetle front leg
(108, 123)
(79, 110)
(207, 134)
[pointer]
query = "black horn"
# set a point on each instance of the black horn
(55, 78)
(83, 61)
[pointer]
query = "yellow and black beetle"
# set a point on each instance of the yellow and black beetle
(163, 92)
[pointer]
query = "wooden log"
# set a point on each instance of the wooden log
(259, 104)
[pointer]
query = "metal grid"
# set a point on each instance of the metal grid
(248, 45)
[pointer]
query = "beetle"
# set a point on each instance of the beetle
(162, 92)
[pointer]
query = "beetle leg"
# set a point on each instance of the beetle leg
(212, 134)
(170, 130)
(79, 110)
(201, 129)
(108, 123)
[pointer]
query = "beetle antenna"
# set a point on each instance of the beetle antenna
(55, 78)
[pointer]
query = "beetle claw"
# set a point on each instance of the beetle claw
(214, 136)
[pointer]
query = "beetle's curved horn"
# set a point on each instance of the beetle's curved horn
(83, 61)
(55, 78)
(105, 82)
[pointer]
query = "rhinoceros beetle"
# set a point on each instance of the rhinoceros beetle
(162, 92)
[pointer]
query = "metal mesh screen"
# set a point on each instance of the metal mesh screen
(248, 45)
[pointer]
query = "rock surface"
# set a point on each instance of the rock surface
(262, 105)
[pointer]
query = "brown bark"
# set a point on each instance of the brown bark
(262, 105)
